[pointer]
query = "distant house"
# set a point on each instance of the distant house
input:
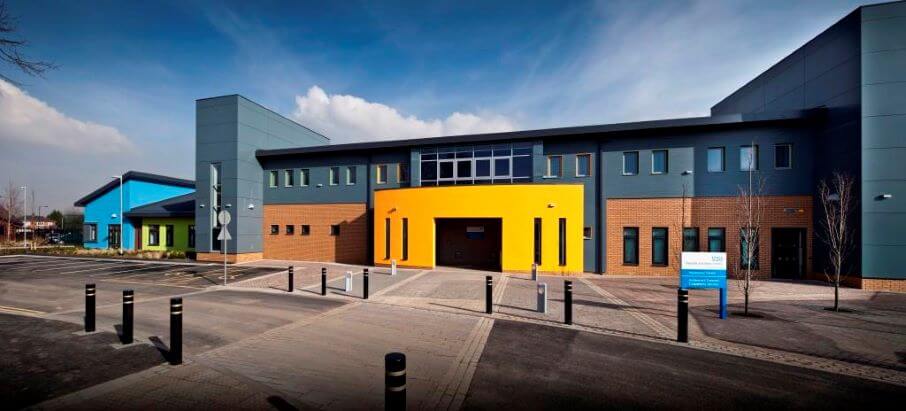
(104, 227)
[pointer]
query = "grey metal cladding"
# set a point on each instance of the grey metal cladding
(568, 150)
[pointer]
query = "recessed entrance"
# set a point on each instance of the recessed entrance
(469, 242)
(788, 253)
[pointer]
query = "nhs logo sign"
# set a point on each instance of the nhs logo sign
(703, 270)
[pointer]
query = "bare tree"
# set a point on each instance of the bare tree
(750, 210)
(13, 202)
(838, 204)
(679, 226)
(11, 48)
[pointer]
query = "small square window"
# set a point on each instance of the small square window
(783, 156)
(272, 179)
(748, 158)
(334, 229)
(304, 229)
(350, 176)
(381, 174)
(659, 162)
(586, 233)
(334, 176)
(402, 173)
(290, 229)
(630, 163)
(554, 166)
(716, 160)
(304, 177)
(288, 178)
(583, 165)
(275, 229)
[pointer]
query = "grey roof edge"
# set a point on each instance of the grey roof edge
(155, 209)
(134, 175)
(650, 125)
(268, 109)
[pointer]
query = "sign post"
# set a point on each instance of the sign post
(224, 218)
(703, 270)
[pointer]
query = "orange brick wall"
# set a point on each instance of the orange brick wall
(349, 247)
(883, 284)
(701, 212)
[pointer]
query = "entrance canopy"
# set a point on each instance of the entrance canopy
(406, 220)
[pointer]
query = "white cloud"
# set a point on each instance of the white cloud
(346, 118)
(25, 119)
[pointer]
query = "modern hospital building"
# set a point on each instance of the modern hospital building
(609, 199)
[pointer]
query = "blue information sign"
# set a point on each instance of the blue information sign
(705, 271)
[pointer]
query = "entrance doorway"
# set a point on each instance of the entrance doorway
(113, 235)
(469, 242)
(788, 253)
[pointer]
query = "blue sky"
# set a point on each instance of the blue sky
(123, 95)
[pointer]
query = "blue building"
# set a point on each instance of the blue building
(105, 227)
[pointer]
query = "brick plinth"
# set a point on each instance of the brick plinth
(700, 212)
(350, 247)
(884, 284)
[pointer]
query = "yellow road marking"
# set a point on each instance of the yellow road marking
(20, 310)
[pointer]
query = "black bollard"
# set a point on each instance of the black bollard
(128, 315)
(488, 293)
(568, 302)
(682, 316)
(89, 307)
(395, 381)
(289, 286)
(323, 280)
(365, 284)
(176, 330)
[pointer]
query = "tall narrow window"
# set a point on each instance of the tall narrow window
(304, 177)
(630, 245)
(402, 173)
(554, 166)
(169, 235)
(405, 239)
(783, 156)
(690, 239)
(748, 248)
(288, 178)
(538, 241)
(748, 158)
(562, 241)
(659, 162)
(272, 179)
(350, 176)
(630, 163)
(335, 176)
(386, 238)
(583, 165)
(91, 232)
(716, 239)
(381, 174)
(659, 246)
(154, 235)
(191, 236)
(716, 161)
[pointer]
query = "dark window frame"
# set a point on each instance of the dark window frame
(755, 157)
(695, 244)
(723, 239)
(723, 159)
(335, 230)
(92, 232)
(154, 235)
(289, 229)
(304, 229)
(405, 239)
(666, 251)
(755, 255)
(589, 168)
(275, 229)
(637, 165)
(169, 235)
(562, 247)
(273, 179)
(549, 162)
(666, 162)
(538, 240)
(789, 156)
(386, 238)
(191, 239)
(631, 237)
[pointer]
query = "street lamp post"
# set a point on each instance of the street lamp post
(24, 216)
(120, 215)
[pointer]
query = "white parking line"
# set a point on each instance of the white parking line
(128, 271)
(54, 266)
(103, 267)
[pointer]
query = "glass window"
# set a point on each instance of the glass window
(748, 248)
(169, 235)
(446, 169)
(464, 169)
(350, 175)
(335, 229)
(386, 238)
(381, 174)
(272, 178)
(630, 163)
(659, 162)
(154, 234)
(562, 242)
(583, 165)
(90, 233)
(304, 177)
(783, 156)
(538, 241)
(716, 240)
(586, 233)
(748, 158)
(630, 245)
(275, 229)
(482, 168)
(554, 166)
(405, 239)
(402, 174)
(288, 178)
(304, 229)
(429, 170)
(289, 229)
(522, 167)
(191, 236)
(501, 167)
(659, 246)
(716, 160)
(690, 239)
(334, 176)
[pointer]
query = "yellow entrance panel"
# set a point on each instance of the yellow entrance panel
(516, 205)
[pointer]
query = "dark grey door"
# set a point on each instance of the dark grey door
(788, 253)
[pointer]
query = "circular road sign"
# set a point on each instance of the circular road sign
(223, 217)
